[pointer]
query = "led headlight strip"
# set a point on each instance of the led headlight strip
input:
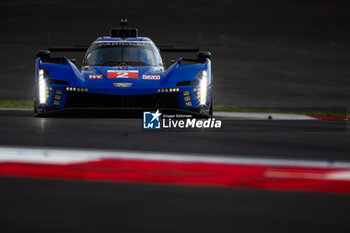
(203, 88)
(187, 98)
(169, 90)
(76, 89)
(42, 87)
(58, 97)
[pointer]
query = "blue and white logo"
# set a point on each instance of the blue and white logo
(152, 120)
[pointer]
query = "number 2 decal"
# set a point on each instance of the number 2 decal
(122, 75)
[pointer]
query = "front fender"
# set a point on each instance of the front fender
(57, 71)
(185, 72)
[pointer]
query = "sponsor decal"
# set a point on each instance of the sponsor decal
(122, 74)
(151, 77)
(95, 76)
(122, 84)
(120, 43)
(153, 120)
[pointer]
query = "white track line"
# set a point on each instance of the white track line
(66, 156)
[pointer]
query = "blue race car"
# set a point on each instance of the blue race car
(122, 72)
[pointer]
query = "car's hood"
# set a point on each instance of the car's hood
(110, 77)
(129, 74)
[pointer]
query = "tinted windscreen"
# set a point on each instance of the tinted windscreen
(112, 54)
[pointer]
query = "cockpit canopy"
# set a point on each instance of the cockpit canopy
(113, 53)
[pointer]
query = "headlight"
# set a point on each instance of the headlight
(203, 86)
(42, 87)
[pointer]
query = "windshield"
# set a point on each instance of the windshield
(114, 53)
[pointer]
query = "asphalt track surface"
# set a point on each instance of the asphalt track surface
(76, 206)
(309, 139)
(71, 206)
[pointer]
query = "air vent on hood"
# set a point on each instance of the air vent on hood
(188, 83)
(58, 82)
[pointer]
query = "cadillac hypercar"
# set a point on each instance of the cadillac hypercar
(122, 72)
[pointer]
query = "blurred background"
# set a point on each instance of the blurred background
(271, 53)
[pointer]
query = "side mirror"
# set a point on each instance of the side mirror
(202, 56)
(43, 54)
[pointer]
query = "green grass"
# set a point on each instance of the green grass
(16, 104)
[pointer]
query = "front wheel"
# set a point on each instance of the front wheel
(36, 113)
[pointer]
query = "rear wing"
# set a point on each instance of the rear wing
(45, 55)
(201, 56)
(178, 49)
(161, 48)
(69, 49)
